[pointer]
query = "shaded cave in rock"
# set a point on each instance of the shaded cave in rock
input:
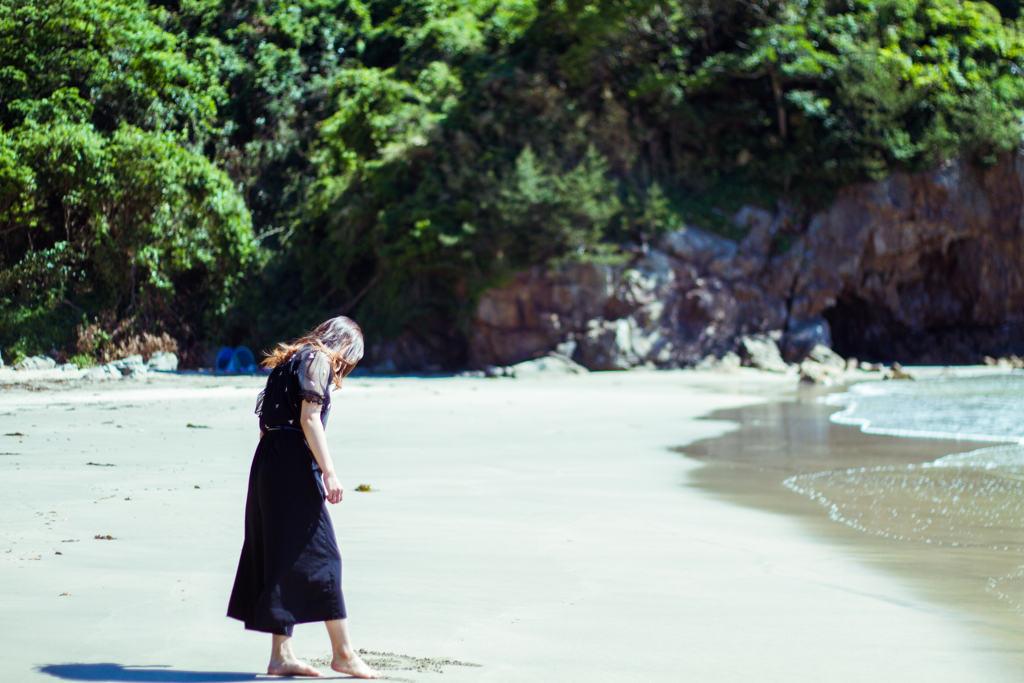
(872, 333)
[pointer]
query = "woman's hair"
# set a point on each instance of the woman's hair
(340, 338)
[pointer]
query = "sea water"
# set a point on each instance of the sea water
(985, 408)
(966, 500)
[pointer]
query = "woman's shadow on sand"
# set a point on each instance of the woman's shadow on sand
(158, 674)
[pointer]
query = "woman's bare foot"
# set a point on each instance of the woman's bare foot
(291, 667)
(346, 660)
(353, 666)
(283, 661)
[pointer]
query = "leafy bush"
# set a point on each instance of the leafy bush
(107, 205)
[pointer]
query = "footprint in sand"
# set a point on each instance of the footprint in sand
(389, 661)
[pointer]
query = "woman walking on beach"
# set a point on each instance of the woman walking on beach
(290, 569)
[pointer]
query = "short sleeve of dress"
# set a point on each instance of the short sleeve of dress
(314, 374)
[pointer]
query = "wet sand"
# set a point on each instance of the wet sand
(517, 530)
(780, 440)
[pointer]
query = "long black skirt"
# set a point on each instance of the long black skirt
(290, 569)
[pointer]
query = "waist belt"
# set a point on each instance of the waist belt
(279, 428)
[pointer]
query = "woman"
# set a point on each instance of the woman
(290, 569)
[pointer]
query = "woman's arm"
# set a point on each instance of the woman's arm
(317, 440)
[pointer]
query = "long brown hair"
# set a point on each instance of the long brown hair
(340, 338)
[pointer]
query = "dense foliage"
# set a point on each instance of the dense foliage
(109, 207)
(233, 170)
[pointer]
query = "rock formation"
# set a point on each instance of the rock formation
(926, 268)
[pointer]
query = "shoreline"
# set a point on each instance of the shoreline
(61, 379)
(953, 579)
(510, 523)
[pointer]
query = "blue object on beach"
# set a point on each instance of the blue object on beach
(242, 361)
(224, 358)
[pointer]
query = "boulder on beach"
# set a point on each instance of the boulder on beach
(124, 367)
(896, 371)
(102, 372)
(827, 357)
(815, 372)
(132, 365)
(762, 352)
(36, 363)
(727, 363)
(550, 364)
(163, 361)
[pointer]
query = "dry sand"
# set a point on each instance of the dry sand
(518, 530)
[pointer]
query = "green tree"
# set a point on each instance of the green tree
(108, 204)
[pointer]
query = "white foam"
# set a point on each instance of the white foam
(973, 408)
(1006, 459)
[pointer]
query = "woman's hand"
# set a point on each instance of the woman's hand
(313, 429)
(333, 486)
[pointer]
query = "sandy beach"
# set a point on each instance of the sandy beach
(517, 530)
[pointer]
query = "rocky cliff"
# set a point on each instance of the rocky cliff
(917, 268)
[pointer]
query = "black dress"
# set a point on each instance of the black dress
(290, 569)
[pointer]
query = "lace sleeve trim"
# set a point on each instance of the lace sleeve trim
(314, 397)
(259, 403)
